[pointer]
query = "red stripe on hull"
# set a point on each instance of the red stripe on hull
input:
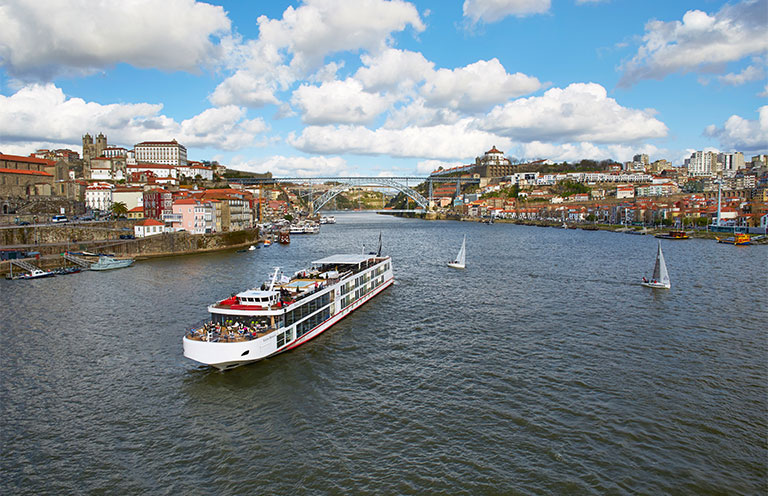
(331, 322)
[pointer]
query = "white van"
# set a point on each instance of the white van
(59, 218)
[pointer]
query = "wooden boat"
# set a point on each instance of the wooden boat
(674, 235)
(739, 239)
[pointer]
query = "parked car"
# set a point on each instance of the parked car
(127, 236)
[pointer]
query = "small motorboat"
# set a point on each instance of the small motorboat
(37, 274)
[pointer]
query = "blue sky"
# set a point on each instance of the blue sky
(378, 87)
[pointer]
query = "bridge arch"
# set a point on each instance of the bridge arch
(348, 183)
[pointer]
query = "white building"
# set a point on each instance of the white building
(701, 164)
(148, 227)
(161, 152)
(98, 196)
(114, 151)
(158, 170)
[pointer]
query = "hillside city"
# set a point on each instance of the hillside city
(158, 187)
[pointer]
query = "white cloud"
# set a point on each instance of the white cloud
(225, 128)
(43, 113)
(443, 141)
(495, 10)
(246, 88)
(742, 134)
(750, 73)
(580, 112)
(338, 102)
(701, 42)
(43, 38)
(476, 87)
(294, 166)
(582, 150)
(417, 113)
(393, 68)
(296, 45)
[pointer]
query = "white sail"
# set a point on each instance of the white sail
(663, 275)
(660, 277)
(461, 258)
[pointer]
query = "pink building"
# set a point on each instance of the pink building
(194, 216)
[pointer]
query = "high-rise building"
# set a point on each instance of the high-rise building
(731, 162)
(702, 164)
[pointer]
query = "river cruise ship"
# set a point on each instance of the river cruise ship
(287, 311)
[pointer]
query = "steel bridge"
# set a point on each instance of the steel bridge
(399, 183)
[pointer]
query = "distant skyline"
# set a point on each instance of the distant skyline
(374, 87)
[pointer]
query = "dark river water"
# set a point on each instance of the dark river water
(543, 368)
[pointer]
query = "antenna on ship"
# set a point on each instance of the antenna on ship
(378, 253)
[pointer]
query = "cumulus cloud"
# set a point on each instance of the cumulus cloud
(441, 142)
(43, 113)
(742, 134)
(417, 113)
(701, 42)
(495, 10)
(750, 73)
(297, 44)
(580, 112)
(476, 87)
(294, 166)
(393, 68)
(44, 38)
(338, 102)
(428, 96)
(583, 150)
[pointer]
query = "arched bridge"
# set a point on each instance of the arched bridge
(341, 184)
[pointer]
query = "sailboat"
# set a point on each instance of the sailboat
(660, 277)
(461, 258)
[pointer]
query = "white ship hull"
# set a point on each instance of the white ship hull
(227, 355)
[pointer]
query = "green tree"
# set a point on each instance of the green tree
(119, 209)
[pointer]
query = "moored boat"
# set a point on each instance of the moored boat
(674, 235)
(739, 239)
(287, 312)
(36, 274)
(109, 263)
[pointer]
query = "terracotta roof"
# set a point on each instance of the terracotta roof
(19, 158)
(27, 172)
(150, 222)
(186, 201)
(137, 209)
(494, 150)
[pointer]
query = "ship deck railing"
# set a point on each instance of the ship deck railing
(228, 335)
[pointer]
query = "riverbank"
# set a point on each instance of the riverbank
(585, 226)
(161, 245)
